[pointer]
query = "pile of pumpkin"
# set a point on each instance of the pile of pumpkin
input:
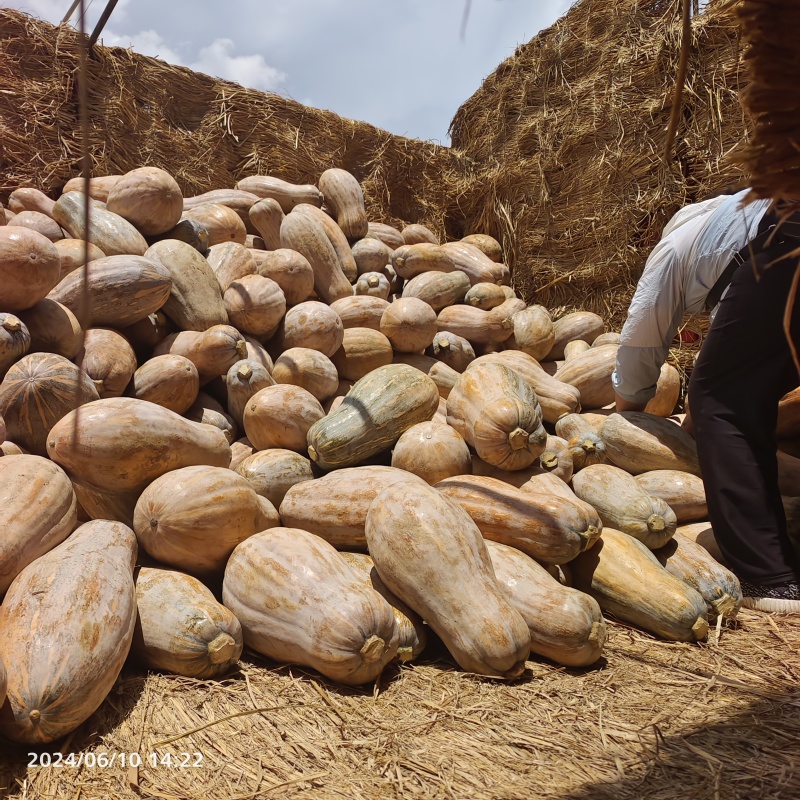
(271, 387)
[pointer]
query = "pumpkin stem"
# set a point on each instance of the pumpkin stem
(241, 348)
(700, 629)
(588, 445)
(443, 342)
(515, 671)
(725, 606)
(312, 453)
(35, 716)
(12, 323)
(518, 439)
(373, 281)
(405, 654)
(245, 371)
(549, 460)
(655, 523)
(372, 649)
(221, 648)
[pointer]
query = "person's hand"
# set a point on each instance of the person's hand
(687, 423)
(621, 404)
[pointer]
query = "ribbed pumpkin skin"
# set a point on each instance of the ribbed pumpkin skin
(455, 351)
(411, 629)
(416, 233)
(533, 332)
(171, 381)
(375, 284)
(149, 198)
(124, 444)
(639, 442)
(549, 529)
(192, 518)
(213, 351)
(313, 325)
(566, 625)
(273, 472)
(110, 232)
(53, 329)
(438, 289)
(300, 602)
(590, 373)
(388, 234)
(181, 628)
(122, 290)
(624, 505)
(432, 556)
(108, 359)
(433, 452)
(335, 506)
(478, 267)
(373, 415)
(99, 187)
(361, 311)
(255, 305)
(497, 412)
(344, 197)
(29, 267)
(222, 223)
(15, 340)
(409, 324)
(309, 369)
(287, 194)
(39, 511)
(38, 391)
(66, 626)
(627, 581)
(584, 325)
(696, 567)
(682, 492)
(371, 255)
(281, 416)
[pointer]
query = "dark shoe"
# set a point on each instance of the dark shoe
(781, 599)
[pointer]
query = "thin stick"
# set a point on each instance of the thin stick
(787, 316)
(683, 64)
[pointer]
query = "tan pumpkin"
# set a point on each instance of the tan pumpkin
(409, 324)
(557, 458)
(281, 416)
(376, 411)
(41, 223)
(488, 245)
(230, 261)
(550, 529)
(533, 332)
(375, 284)
(29, 267)
(290, 270)
(255, 351)
(99, 186)
(668, 391)
(547, 483)
(241, 449)
(192, 518)
(222, 223)
(516, 478)
(93, 451)
(149, 198)
(443, 376)
(696, 567)
(108, 359)
(53, 328)
(789, 415)
(575, 348)
(627, 581)
(584, 325)
(412, 635)
(38, 391)
(242, 381)
(95, 503)
(455, 351)
(15, 340)
(72, 254)
(496, 411)
(287, 194)
(255, 305)
(66, 626)
(336, 237)
(10, 449)
(181, 628)
(388, 234)
(624, 505)
(362, 351)
(432, 556)
(609, 337)
(683, 492)
(273, 472)
(213, 351)
(39, 511)
(208, 411)
(171, 381)
(266, 216)
(410, 260)
(640, 442)
(485, 296)
(312, 325)
(300, 602)
(110, 232)
(361, 311)
(343, 196)
(438, 289)
(703, 534)
(433, 452)
(122, 290)
(309, 369)
(416, 233)
(237, 200)
(306, 235)
(371, 255)
(566, 625)
(27, 198)
(478, 267)
(474, 325)
(335, 506)
(590, 373)
(188, 231)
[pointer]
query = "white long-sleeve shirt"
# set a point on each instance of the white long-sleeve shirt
(696, 246)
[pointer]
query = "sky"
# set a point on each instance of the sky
(402, 65)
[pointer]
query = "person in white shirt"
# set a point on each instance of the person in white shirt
(732, 258)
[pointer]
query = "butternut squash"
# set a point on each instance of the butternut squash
(230, 261)
(485, 296)
(668, 391)
(590, 373)
(335, 236)
(432, 556)
(362, 351)
(312, 325)
(242, 381)
(266, 216)
(287, 194)
(66, 626)
(566, 625)
(624, 505)
(281, 416)
(29, 199)
(343, 196)
(410, 260)
(550, 529)
(452, 350)
(213, 351)
(309, 369)
(171, 381)
(703, 534)
(181, 628)
(584, 325)
(533, 332)
(53, 328)
(15, 340)
(109, 361)
(683, 492)
(149, 198)
(496, 411)
(627, 581)
(376, 411)
(29, 267)
(438, 289)
(273, 472)
(99, 186)
(299, 601)
(361, 311)
(388, 234)
(478, 267)
(433, 452)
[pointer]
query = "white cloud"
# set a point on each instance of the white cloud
(148, 43)
(219, 59)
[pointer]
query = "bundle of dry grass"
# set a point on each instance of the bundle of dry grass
(206, 132)
(654, 719)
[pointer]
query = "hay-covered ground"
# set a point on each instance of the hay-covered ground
(652, 720)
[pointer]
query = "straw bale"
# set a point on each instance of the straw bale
(652, 719)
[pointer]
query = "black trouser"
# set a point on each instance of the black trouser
(744, 367)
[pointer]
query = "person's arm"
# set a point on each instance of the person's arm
(621, 404)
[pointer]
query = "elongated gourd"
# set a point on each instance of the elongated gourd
(181, 628)
(213, 351)
(438, 289)
(376, 411)
(683, 492)
(624, 505)
(497, 412)
(66, 626)
(696, 567)
(430, 554)
(360, 311)
(566, 625)
(584, 325)
(300, 602)
(533, 332)
(273, 472)
(345, 199)
(550, 529)
(590, 373)
(627, 581)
